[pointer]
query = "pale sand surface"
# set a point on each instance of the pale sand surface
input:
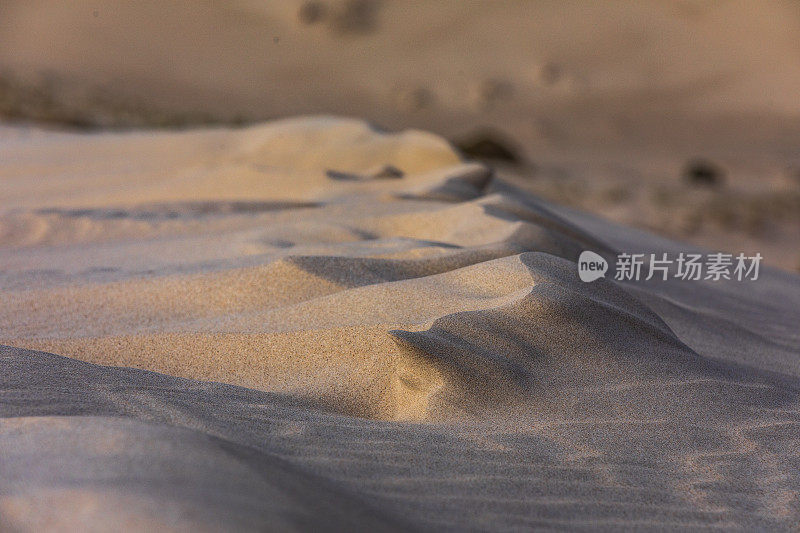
(318, 341)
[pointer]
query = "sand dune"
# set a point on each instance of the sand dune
(331, 326)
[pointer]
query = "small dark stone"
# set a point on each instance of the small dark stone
(704, 173)
(356, 17)
(550, 74)
(311, 12)
(489, 145)
(342, 176)
(388, 172)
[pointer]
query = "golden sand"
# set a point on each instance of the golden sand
(414, 346)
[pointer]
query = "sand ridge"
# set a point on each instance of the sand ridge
(324, 293)
(378, 313)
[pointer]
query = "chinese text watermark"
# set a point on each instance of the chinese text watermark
(685, 266)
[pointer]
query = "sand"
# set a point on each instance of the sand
(326, 326)
(602, 105)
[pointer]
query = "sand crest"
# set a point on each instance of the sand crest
(367, 331)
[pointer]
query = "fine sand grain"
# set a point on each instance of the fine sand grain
(329, 327)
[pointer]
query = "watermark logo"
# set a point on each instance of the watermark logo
(684, 266)
(591, 266)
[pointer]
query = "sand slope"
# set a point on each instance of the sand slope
(402, 336)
